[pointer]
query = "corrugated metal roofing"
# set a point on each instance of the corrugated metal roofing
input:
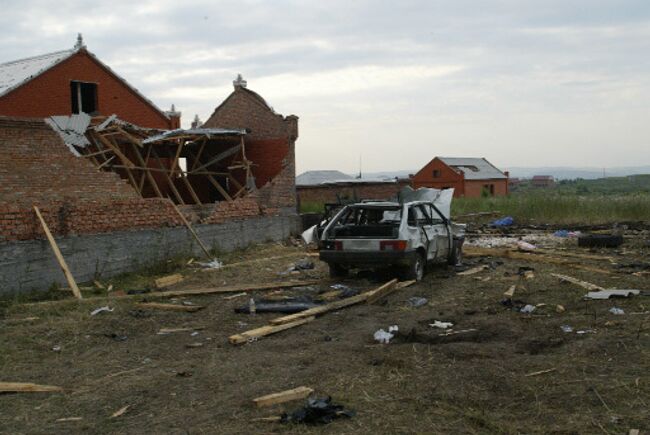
(13, 74)
(312, 178)
(208, 132)
(72, 130)
(474, 168)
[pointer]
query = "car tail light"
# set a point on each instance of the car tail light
(392, 245)
(336, 245)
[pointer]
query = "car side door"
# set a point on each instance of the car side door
(440, 231)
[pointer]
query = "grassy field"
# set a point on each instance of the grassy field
(555, 208)
(551, 207)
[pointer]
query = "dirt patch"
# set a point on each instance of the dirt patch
(422, 382)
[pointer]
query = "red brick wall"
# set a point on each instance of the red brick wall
(327, 194)
(49, 94)
(270, 145)
(35, 165)
(474, 188)
(237, 209)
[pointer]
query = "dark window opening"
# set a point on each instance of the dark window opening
(83, 97)
(436, 173)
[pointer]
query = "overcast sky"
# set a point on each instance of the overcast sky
(522, 83)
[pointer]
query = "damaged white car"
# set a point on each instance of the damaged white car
(408, 234)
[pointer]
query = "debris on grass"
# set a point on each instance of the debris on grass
(541, 372)
(169, 280)
(120, 411)
(384, 337)
(417, 301)
(616, 311)
(566, 328)
(211, 265)
(105, 309)
(26, 387)
(441, 325)
(527, 309)
(317, 411)
(164, 331)
(64, 419)
(606, 294)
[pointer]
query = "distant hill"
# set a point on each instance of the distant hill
(571, 173)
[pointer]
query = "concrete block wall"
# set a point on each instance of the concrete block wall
(31, 265)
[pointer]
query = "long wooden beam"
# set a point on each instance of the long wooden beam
(229, 152)
(59, 257)
(172, 186)
(189, 227)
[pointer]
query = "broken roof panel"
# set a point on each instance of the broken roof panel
(15, 73)
(207, 132)
(474, 168)
(72, 130)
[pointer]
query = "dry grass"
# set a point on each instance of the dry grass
(474, 383)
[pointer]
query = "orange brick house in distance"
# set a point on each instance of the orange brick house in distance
(73, 81)
(470, 177)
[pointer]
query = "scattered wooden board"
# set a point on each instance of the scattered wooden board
(120, 411)
(234, 288)
(170, 307)
(541, 372)
(578, 282)
(164, 331)
(26, 387)
(383, 291)
(331, 306)
(253, 334)
(283, 396)
(473, 270)
(61, 420)
(166, 281)
(510, 293)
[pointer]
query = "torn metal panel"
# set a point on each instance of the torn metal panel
(199, 132)
(72, 130)
(440, 198)
(606, 294)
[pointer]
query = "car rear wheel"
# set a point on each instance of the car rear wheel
(337, 271)
(415, 270)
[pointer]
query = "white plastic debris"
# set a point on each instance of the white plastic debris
(566, 328)
(586, 331)
(606, 294)
(194, 334)
(441, 325)
(214, 264)
(309, 234)
(384, 337)
(56, 348)
(525, 246)
(527, 309)
(106, 309)
(616, 311)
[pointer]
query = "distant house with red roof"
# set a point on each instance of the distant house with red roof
(470, 177)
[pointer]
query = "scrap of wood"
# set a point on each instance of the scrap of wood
(283, 396)
(170, 307)
(382, 291)
(171, 330)
(331, 295)
(26, 387)
(529, 274)
(64, 419)
(541, 372)
(254, 334)
(402, 284)
(168, 280)
(120, 411)
(57, 253)
(98, 284)
(238, 295)
(24, 319)
(510, 292)
(333, 305)
(576, 281)
(473, 270)
(271, 419)
(234, 289)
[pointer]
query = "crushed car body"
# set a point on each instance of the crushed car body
(408, 233)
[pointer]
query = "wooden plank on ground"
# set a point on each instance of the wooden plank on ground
(283, 396)
(331, 306)
(233, 289)
(578, 282)
(57, 253)
(168, 280)
(254, 334)
(473, 270)
(170, 307)
(382, 291)
(26, 387)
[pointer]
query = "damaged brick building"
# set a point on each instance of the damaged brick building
(107, 187)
